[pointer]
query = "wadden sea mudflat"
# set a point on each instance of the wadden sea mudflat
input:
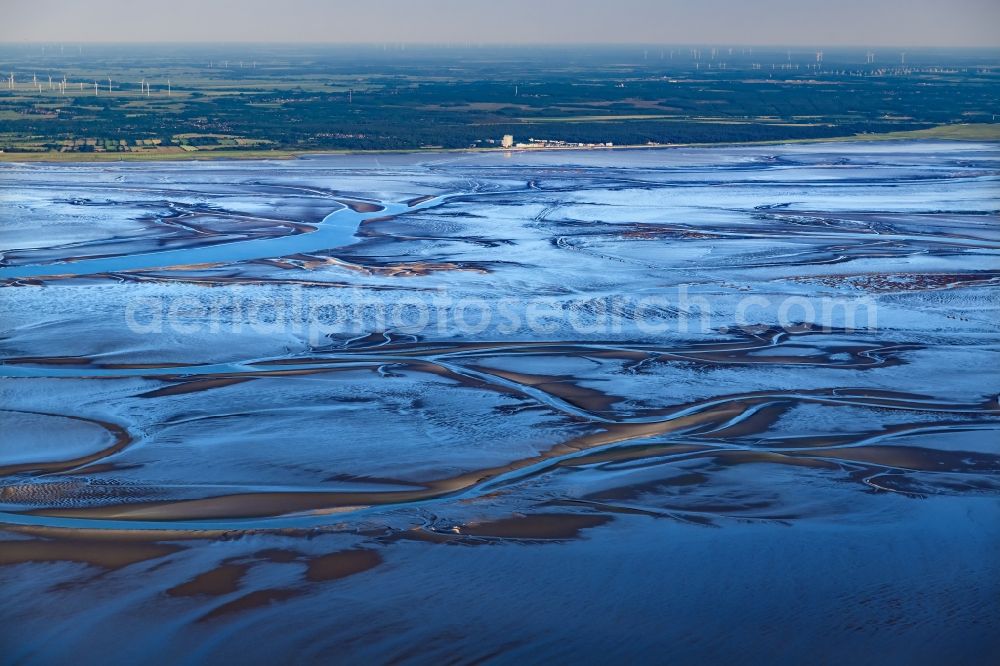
(700, 403)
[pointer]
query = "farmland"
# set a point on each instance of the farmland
(173, 101)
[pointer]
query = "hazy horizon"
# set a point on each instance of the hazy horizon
(852, 23)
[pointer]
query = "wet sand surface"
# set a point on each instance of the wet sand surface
(738, 489)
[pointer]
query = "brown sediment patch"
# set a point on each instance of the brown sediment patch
(39, 280)
(120, 439)
(194, 386)
(243, 505)
(555, 526)
(248, 505)
(174, 267)
(296, 227)
(22, 282)
(642, 231)
(756, 423)
(361, 206)
(333, 566)
(619, 432)
(639, 356)
(627, 453)
(774, 359)
(712, 412)
(560, 386)
(255, 599)
(312, 262)
(277, 263)
(104, 554)
(432, 368)
(373, 220)
(840, 396)
(146, 535)
(420, 349)
(596, 349)
(418, 269)
(184, 385)
(223, 579)
(422, 535)
(38, 492)
(48, 360)
(419, 200)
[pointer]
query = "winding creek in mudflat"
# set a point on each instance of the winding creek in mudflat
(697, 403)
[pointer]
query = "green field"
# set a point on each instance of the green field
(296, 100)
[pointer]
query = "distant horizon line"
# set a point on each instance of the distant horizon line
(473, 45)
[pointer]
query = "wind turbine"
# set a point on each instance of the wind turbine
(168, 87)
(109, 85)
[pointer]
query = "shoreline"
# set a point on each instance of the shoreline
(986, 132)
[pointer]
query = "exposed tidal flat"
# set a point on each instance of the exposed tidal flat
(727, 404)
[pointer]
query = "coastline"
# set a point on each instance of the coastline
(951, 132)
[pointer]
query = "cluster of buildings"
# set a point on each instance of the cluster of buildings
(508, 142)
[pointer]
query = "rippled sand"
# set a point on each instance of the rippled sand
(590, 489)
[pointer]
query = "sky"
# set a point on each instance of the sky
(719, 22)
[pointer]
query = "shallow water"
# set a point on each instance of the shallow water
(309, 410)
